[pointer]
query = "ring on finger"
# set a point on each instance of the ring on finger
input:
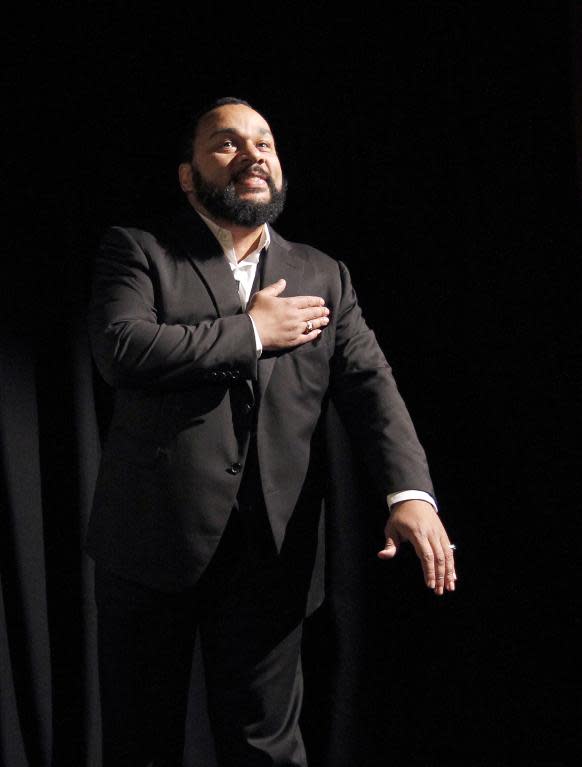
(308, 327)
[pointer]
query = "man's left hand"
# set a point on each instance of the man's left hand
(418, 523)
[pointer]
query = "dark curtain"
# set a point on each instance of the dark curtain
(50, 452)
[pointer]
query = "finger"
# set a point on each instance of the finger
(390, 549)
(322, 322)
(313, 313)
(303, 302)
(439, 566)
(305, 338)
(450, 572)
(305, 329)
(393, 541)
(275, 289)
(425, 553)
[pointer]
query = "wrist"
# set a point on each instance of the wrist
(410, 495)
(410, 506)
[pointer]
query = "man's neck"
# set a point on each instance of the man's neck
(245, 240)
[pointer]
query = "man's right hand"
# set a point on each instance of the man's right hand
(281, 322)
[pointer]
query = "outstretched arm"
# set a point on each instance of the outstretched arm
(376, 417)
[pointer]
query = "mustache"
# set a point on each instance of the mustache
(252, 170)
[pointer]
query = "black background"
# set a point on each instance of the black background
(433, 149)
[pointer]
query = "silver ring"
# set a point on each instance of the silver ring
(308, 327)
(452, 546)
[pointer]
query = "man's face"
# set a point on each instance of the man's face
(235, 173)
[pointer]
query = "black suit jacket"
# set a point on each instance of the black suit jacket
(168, 334)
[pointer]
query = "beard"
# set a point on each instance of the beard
(225, 204)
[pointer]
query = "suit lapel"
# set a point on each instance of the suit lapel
(279, 263)
(205, 254)
(201, 248)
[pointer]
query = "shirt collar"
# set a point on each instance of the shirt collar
(225, 241)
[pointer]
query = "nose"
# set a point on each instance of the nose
(252, 153)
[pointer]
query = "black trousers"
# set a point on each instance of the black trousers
(250, 618)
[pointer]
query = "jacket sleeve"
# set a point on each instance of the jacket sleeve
(365, 394)
(133, 349)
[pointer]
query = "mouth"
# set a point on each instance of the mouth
(253, 182)
(252, 179)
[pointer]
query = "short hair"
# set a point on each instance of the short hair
(189, 134)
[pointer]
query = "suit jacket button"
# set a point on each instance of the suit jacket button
(234, 468)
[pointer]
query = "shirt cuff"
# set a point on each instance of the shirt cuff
(258, 344)
(411, 495)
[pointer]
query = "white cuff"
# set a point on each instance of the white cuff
(258, 343)
(410, 495)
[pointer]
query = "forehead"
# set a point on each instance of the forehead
(236, 117)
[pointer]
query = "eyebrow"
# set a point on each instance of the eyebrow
(262, 131)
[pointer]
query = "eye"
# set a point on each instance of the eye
(263, 145)
(225, 145)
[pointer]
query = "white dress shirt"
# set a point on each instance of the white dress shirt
(244, 272)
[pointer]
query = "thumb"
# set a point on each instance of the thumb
(275, 289)
(391, 548)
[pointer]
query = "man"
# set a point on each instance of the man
(224, 343)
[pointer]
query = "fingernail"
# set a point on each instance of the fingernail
(325, 320)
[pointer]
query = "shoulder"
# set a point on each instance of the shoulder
(130, 236)
(135, 247)
(161, 237)
(311, 255)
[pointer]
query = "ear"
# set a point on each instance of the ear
(185, 177)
